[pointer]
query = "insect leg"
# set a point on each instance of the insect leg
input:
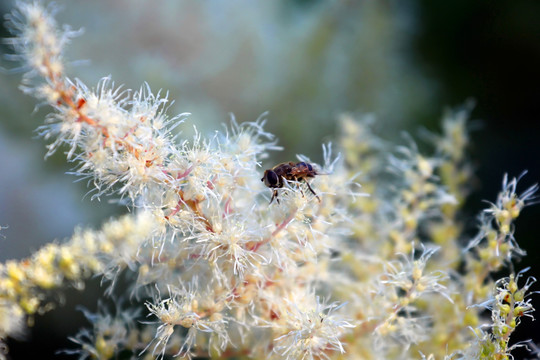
(296, 179)
(274, 195)
(310, 189)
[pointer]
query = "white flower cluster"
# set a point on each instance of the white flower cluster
(209, 223)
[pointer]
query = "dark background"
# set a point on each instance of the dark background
(490, 51)
(485, 50)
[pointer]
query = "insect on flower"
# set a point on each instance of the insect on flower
(274, 178)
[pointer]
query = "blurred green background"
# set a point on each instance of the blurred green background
(304, 61)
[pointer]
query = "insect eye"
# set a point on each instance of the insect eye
(310, 168)
(270, 178)
(301, 164)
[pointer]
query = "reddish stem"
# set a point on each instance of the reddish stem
(284, 223)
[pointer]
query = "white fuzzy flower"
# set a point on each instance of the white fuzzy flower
(312, 331)
(189, 309)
